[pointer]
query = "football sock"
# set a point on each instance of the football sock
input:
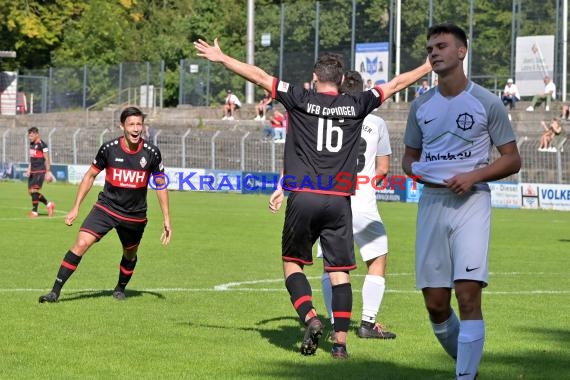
(126, 270)
(67, 268)
(327, 294)
(447, 333)
(35, 201)
(372, 294)
(301, 295)
(470, 348)
(342, 306)
(42, 199)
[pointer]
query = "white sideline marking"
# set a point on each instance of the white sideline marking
(237, 287)
(262, 290)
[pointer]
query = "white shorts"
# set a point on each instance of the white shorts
(367, 228)
(452, 237)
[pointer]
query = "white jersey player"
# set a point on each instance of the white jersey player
(368, 229)
(449, 138)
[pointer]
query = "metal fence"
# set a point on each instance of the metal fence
(93, 87)
(246, 151)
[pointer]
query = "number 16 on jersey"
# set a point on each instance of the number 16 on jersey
(326, 132)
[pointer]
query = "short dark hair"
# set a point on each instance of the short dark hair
(33, 130)
(329, 68)
(131, 111)
(352, 82)
(448, 28)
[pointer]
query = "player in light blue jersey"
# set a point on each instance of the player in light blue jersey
(449, 136)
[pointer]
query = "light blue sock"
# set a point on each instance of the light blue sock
(447, 334)
(470, 348)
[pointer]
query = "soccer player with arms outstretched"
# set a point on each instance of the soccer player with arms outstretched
(322, 142)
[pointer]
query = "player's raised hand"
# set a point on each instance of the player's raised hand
(211, 53)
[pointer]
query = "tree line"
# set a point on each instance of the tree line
(63, 33)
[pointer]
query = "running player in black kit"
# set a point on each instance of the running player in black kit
(38, 171)
(320, 168)
(129, 162)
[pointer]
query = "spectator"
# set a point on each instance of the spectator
(547, 95)
(307, 86)
(368, 85)
(231, 104)
(264, 105)
(277, 124)
(551, 135)
(510, 94)
(422, 89)
(149, 133)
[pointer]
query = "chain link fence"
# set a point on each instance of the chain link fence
(93, 87)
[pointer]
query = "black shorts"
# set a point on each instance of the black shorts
(100, 221)
(36, 180)
(309, 216)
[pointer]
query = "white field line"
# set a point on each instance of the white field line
(241, 286)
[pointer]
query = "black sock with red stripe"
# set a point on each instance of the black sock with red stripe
(35, 201)
(42, 199)
(301, 295)
(67, 268)
(342, 306)
(126, 269)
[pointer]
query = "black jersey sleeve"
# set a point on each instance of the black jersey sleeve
(289, 95)
(100, 161)
(156, 160)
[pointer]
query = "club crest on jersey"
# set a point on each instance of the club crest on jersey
(465, 121)
(143, 162)
(283, 86)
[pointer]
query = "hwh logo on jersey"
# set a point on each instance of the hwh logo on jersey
(127, 178)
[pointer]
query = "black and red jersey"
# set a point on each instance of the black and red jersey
(38, 153)
(127, 176)
(322, 137)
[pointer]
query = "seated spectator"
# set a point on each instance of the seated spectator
(264, 105)
(551, 136)
(422, 89)
(277, 124)
(231, 104)
(368, 85)
(510, 94)
(547, 95)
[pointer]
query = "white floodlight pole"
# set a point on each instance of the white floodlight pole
(564, 48)
(249, 87)
(398, 39)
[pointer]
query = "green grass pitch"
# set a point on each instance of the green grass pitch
(213, 305)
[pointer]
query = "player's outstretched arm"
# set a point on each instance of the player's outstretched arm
(404, 80)
(250, 72)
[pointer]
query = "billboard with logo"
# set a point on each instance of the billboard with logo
(372, 60)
